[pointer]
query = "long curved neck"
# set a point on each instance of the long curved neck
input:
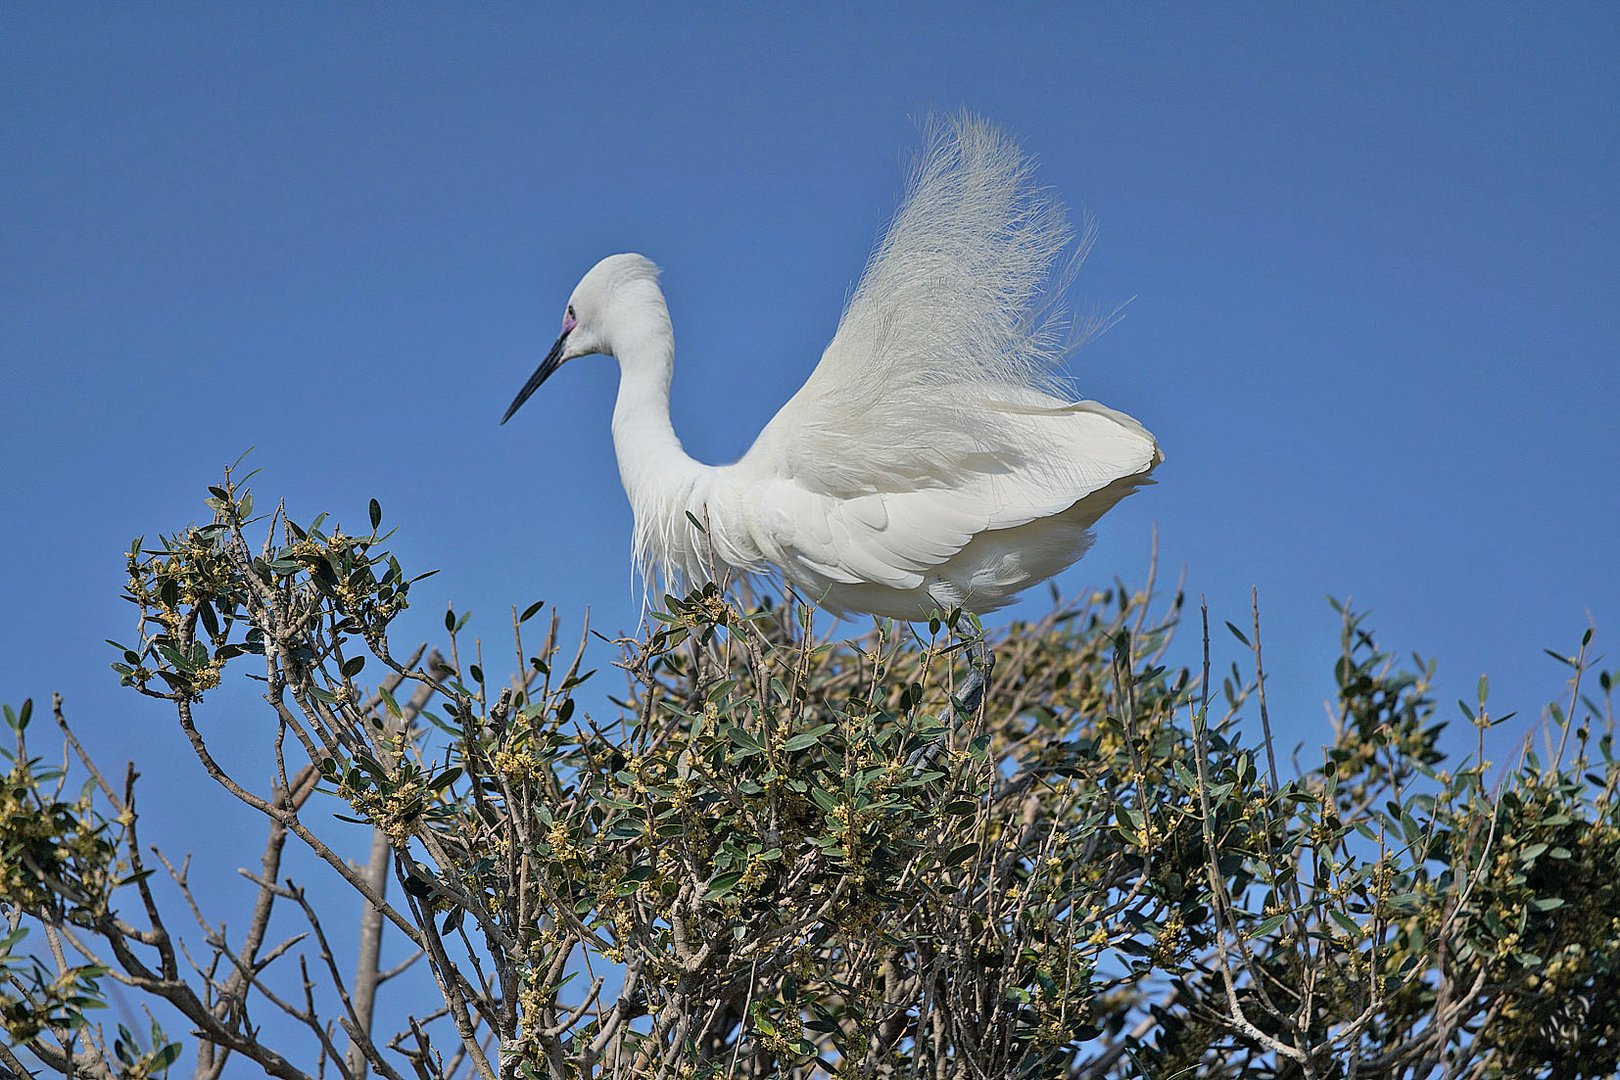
(643, 437)
(649, 452)
(663, 483)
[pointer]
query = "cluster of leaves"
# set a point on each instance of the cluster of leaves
(205, 578)
(52, 851)
(775, 855)
(60, 863)
(36, 999)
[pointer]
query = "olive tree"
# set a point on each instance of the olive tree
(773, 854)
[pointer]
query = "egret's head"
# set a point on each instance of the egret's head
(616, 297)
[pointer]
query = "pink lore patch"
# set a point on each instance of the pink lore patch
(569, 321)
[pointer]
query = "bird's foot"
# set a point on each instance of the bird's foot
(964, 705)
(981, 661)
(924, 756)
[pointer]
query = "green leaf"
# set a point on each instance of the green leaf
(353, 666)
(376, 514)
(1531, 853)
(1239, 635)
(1346, 923)
(569, 684)
(1268, 925)
(210, 621)
(743, 739)
(807, 738)
(531, 611)
(722, 884)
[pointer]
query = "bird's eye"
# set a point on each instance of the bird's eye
(569, 321)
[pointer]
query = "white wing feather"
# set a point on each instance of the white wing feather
(950, 299)
(932, 417)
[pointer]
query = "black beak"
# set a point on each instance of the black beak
(551, 363)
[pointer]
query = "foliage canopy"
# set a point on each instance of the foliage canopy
(779, 856)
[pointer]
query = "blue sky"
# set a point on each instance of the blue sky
(1371, 251)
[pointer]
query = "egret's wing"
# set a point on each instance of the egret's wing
(928, 419)
(1045, 457)
(952, 297)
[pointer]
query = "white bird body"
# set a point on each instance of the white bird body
(927, 462)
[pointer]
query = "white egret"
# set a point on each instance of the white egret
(931, 461)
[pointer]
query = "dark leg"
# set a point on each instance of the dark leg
(980, 663)
(964, 704)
